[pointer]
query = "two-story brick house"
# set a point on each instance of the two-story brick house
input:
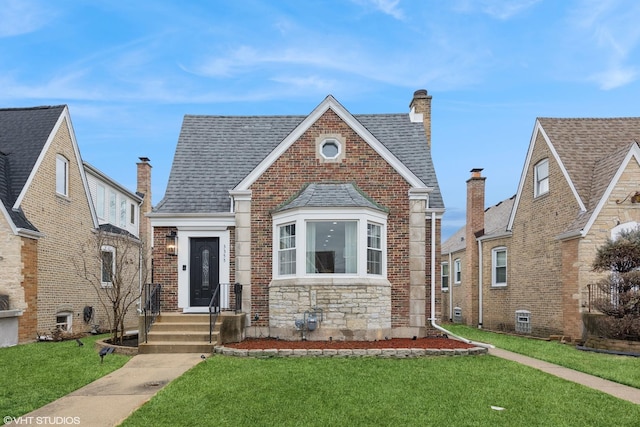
(45, 215)
(524, 264)
(330, 213)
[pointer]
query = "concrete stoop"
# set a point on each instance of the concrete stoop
(181, 333)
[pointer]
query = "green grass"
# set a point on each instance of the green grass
(621, 369)
(428, 391)
(32, 375)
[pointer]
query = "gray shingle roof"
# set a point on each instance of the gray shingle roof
(321, 195)
(496, 219)
(23, 134)
(214, 153)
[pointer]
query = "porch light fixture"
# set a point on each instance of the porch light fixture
(172, 243)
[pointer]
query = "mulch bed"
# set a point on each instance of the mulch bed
(272, 343)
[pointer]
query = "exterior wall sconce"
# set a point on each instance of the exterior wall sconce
(636, 197)
(172, 243)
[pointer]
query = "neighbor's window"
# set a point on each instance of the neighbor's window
(457, 271)
(108, 265)
(63, 321)
(132, 220)
(62, 175)
(112, 207)
(541, 172)
(287, 250)
(499, 266)
(123, 213)
(374, 248)
(444, 275)
(100, 199)
(332, 247)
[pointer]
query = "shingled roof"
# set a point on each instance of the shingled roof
(215, 153)
(496, 219)
(591, 150)
(323, 195)
(23, 134)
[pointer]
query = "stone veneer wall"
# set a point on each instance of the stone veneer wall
(356, 309)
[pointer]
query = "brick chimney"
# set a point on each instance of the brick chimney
(144, 190)
(474, 229)
(420, 110)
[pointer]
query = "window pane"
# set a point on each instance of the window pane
(501, 275)
(61, 175)
(133, 213)
(374, 249)
(100, 201)
(112, 207)
(123, 213)
(332, 247)
(445, 275)
(287, 250)
(107, 266)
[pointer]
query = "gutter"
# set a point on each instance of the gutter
(433, 292)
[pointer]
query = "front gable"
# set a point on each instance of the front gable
(540, 143)
(330, 104)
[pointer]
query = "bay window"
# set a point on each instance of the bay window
(354, 244)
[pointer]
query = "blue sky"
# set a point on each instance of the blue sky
(130, 71)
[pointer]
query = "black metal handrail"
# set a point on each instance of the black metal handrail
(152, 292)
(215, 307)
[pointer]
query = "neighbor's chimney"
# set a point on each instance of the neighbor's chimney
(144, 190)
(474, 229)
(420, 107)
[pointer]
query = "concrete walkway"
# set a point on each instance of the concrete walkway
(618, 390)
(111, 399)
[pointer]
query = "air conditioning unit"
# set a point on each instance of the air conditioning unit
(457, 315)
(523, 321)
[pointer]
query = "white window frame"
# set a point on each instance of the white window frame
(541, 180)
(292, 249)
(457, 271)
(68, 323)
(107, 284)
(443, 276)
(374, 248)
(62, 175)
(331, 141)
(300, 217)
(495, 266)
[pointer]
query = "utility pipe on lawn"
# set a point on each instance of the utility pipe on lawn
(433, 291)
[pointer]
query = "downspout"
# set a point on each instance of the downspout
(450, 288)
(433, 291)
(480, 284)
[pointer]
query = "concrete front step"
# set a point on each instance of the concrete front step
(175, 347)
(181, 333)
(181, 336)
(182, 326)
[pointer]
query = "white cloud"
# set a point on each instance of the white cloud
(388, 7)
(607, 32)
(22, 17)
(497, 9)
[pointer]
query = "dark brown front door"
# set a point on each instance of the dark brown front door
(204, 270)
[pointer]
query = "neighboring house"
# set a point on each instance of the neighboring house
(46, 215)
(532, 254)
(329, 214)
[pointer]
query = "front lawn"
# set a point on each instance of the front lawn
(33, 375)
(621, 369)
(458, 390)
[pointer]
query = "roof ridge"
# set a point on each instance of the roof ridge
(40, 107)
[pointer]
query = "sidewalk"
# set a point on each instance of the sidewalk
(111, 399)
(620, 391)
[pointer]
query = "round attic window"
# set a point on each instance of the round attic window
(330, 149)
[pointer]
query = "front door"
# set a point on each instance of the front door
(204, 270)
